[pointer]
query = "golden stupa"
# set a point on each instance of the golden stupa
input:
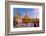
(26, 19)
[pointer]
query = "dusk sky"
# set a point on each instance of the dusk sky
(31, 11)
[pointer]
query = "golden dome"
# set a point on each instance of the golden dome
(26, 19)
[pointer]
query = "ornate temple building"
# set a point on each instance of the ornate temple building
(25, 19)
(18, 18)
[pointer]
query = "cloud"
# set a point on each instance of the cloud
(34, 12)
